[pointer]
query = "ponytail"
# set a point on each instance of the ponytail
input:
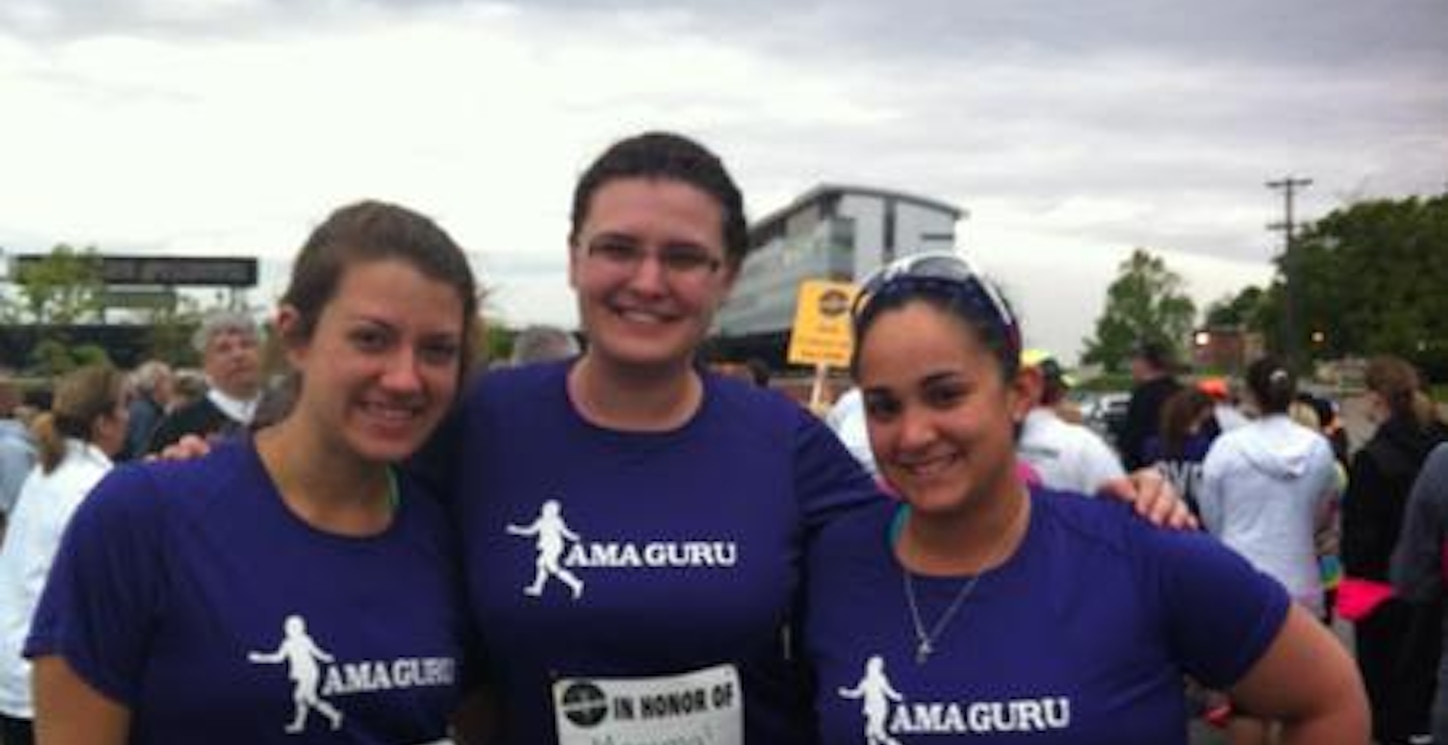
(49, 442)
(81, 398)
(1272, 385)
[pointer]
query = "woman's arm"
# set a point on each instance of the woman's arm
(68, 711)
(1306, 680)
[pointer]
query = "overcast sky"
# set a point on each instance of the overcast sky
(1070, 131)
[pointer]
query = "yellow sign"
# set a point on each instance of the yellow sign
(822, 333)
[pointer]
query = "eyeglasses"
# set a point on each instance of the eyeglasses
(682, 261)
(942, 271)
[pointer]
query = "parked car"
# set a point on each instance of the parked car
(1106, 413)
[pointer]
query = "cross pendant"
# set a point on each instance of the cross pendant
(923, 651)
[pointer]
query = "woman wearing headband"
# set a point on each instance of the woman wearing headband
(634, 525)
(985, 611)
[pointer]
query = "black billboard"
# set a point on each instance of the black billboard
(200, 271)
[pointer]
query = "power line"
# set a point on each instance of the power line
(1289, 187)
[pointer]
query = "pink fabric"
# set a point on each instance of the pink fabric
(1357, 598)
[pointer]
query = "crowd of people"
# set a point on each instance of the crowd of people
(1275, 479)
(611, 541)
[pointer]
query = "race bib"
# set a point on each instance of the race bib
(705, 707)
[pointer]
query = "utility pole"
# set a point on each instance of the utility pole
(1289, 187)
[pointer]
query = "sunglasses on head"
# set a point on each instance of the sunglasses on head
(940, 271)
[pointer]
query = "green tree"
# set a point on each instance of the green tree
(1243, 310)
(498, 342)
(52, 356)
(171, 330)
(61, 289)
(9, 309)
(1369, 278)
(53, 293)
(1145, 302)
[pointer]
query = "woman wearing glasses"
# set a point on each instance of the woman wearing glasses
(982, 609)
(634, 526)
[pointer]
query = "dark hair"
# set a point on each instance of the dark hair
(943, 298)
(375, 231)
(81, 397)
(1156, 353)
(664, 155)
(1272, 385)
(758, 371)
(1321, 406)
(1397, 381)
(1178, 413)
(1053, 382)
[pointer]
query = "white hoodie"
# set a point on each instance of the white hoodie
(1266, 487)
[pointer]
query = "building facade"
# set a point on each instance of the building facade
(831, 232)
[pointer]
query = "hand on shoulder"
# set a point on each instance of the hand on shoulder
(1153, 497)
(189, 447)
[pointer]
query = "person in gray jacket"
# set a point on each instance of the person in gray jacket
(1420, 559)
(17, 450)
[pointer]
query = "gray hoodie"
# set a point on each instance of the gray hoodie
(1266, 488)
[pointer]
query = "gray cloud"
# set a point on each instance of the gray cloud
(1290, 32)
(1089, 126)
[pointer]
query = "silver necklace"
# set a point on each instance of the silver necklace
(925, 641)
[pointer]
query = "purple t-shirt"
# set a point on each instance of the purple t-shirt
(189, 593)
(602, 564)
(1183, 469)
(1080, 637)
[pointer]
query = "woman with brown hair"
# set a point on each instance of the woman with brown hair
(75, 442)
(1397, 642)
(292, 585)
(1182, 440)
